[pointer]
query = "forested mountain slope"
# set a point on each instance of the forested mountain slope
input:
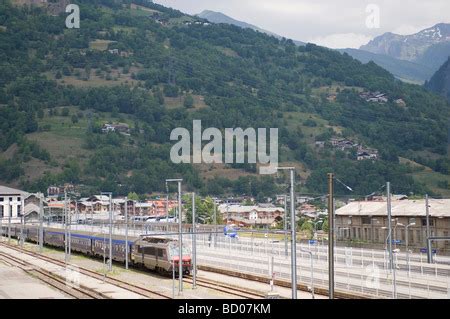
(156, 69)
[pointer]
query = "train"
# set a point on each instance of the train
(154, 253)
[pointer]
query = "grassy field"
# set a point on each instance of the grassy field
(116, 77)
(141, 8)
(100, 45)
(431, 179)
(64, 140)
(177, 102)
(296, 119)
(426, 175)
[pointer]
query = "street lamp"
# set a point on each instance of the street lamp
(293, 233)
(180, 235)
(110, 228)
(312, 269)
(406, 241)
(331, 178)
(319, 221)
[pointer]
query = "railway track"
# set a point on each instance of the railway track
(205, 283)
(221, 287)
(53, 280)
(145, 292)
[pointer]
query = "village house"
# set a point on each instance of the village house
(58, 191)
(320, 144)
(257, 216)
(307, 210)
(342, 143)
(374, 97)
(160, 209)
(366, 153)
(400, 102)
(120, 127)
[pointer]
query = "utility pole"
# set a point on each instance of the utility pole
(330, 235)
(294, 239)
(427, 206)
(41, 220)
(69, 228)
(293, 233)
(215, 224)
(429, 243)
(22, 223)
(194, 244)
(167, 210)
(391, 254)
(285, 227)
(9, 227)
(110, 232)
(180, 235)
(180, 229)
(126, 233)
(66, 239)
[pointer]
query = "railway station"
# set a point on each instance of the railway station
(171, 157)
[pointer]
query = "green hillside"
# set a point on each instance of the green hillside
(440, 81)
(156, 69)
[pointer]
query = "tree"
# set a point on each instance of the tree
(65, 112)
(171, 90)
(204, 209)
(188, 101)
(40, 114)
(308, 228)
(74, 119)
(133, 196)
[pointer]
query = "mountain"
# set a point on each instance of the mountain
(401, 69)
(218, 17)
(414, 72)
(429, 47)
(96, 106)
(440, 82)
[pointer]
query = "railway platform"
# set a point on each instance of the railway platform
(69, 275)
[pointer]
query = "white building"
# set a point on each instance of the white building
(11, 202)
(251, 215)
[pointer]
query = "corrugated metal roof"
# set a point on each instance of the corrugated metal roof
(247, 209)
(11, 191)
(438, 208)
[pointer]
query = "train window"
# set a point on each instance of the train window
(160, 253)
(149, 250)
(139, 249)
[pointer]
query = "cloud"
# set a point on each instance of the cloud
(340, 23)
(342, 40)
(409, 29)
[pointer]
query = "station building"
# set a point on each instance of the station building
(367, 221)
(11, 202)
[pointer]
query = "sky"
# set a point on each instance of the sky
(331, 23)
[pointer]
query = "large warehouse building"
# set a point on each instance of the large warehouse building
(367, 221)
